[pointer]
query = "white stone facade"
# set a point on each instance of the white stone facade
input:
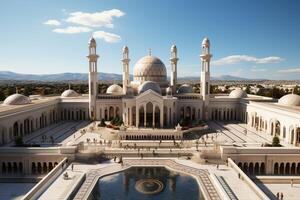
(150, 101)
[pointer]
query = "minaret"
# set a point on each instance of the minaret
(205, 75)
(173, 61)
(125, 62)
(93, 78)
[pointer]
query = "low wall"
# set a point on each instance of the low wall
(39, 188)
(278, 179)
(218, 186)
(250, 183)
(29, 150)
(227, 150)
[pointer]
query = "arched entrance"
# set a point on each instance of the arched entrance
(277, 128)
(157, 117)
(141, 116)
(149, 115)
(298, 136)
(16, 129)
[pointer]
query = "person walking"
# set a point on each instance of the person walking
(72, 166)
(277, 195)
(281, 196)
(292, 183)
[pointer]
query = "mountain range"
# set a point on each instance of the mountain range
(8, 75)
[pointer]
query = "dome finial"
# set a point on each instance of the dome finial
(150, 52)
(17, 91)
(69, 86)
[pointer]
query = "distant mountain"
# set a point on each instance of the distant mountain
(228, 78)
(7, 75)
(219, 78)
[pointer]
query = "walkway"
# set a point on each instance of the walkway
(233, 132)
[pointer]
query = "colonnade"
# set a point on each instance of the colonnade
(152, 137)
(11, 168)
(27, 125)
(190, 113)
(73, 114)
(275, 128)
(110, 112)
(257, 168)
(150, 115)
(286, 168)
(225, 114)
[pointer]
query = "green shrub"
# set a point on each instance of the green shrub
(276, 142)
(19, 141)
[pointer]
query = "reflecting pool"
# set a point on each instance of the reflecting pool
(147, 183)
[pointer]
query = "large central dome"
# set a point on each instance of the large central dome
(150, 68)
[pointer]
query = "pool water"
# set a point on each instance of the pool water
(147, 183)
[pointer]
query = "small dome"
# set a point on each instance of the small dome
(125, 49)
(185, 88)
(169, 91)
(206, 42)
(150, 68)
(114, 89)
(290, 100)
(238, 93)
(149, 85)
(17, 99)
(69, 93)
(92, 42)
(173, 48)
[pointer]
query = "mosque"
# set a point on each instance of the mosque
(150, 100)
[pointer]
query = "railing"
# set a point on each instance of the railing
(260, 150)
(29, 150)
(250, 183)
(39, 188)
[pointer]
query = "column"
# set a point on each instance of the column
(108, 113)
(295, 137)
(161, 112)
(145, 116)
(153, 116)
(137, 116)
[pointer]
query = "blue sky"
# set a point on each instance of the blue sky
(252, 39)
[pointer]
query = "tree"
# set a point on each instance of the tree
(248, 89)
(276, 142)
(102, 123)
(26, 90)
(19, 141)
(2, 96)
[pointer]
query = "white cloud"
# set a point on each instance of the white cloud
(52, 22)
(234, 59)
(97, 19)
(107, 37)
(292, 70)
(72, 30)
(256, 69)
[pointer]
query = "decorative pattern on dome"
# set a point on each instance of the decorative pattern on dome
(69, 93)
(185, 88)
(149, 85)
(17, 99)
(114, 89)
(290, 100)
(238, 93)
(150, 68)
